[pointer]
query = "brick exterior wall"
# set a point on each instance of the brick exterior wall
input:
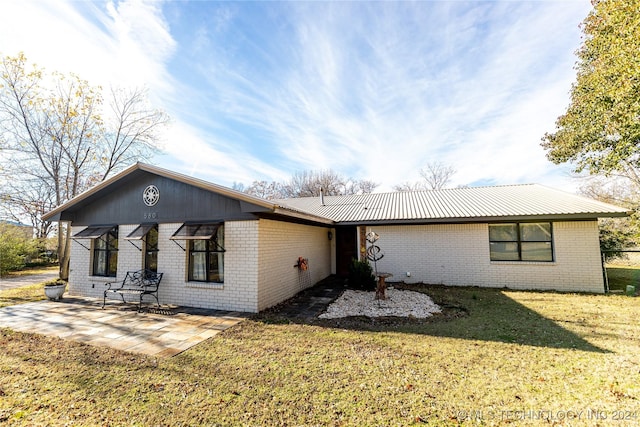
(458, 255)
(281, 243)
(260, 256)
(239, 290)
(258, 265)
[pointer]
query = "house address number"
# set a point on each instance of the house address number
(151, 215)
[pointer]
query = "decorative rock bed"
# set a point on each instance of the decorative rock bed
(399, 303)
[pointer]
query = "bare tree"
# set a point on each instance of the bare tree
(266, 190)
(308, 184)
(56, 132)
(435, 175)
(408, 186)
(29, 199)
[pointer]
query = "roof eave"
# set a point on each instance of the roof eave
(303, 216)
(467, 220)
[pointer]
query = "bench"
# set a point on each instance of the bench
(141, 282)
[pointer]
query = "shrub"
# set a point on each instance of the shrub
(361, 275)
(15, 247)
(55, 282)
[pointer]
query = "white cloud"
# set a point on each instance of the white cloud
(373, 90)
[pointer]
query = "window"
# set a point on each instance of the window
(151, 250)
(105, 253)
(521, 242)
(148, 233)
(206, 258)
(205, 250)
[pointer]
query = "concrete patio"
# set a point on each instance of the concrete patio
(161, 332)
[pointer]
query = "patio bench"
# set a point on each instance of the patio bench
(141, 282)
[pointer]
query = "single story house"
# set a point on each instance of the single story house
(223, 249)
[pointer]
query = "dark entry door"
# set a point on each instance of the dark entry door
(346, 249)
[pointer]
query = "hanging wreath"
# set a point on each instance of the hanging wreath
(302, 264)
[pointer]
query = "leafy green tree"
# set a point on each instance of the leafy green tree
(58, 136)
(15, 248)
(600, 131)
(616, 234)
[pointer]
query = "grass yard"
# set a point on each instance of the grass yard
(29, 271)
(494, 357)
(622, 275)
(22, 295)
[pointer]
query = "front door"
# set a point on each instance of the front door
(346, 249)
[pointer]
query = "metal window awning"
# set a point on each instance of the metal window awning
(92, 232)
(140, 232)
(197, 231)
(189, 231)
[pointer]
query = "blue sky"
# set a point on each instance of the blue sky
(374, 90)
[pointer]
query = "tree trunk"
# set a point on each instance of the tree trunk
(64, 250)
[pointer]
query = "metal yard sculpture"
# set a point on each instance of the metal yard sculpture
(375, 254)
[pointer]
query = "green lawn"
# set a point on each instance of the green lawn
(494, 357)
(29, 270)
(620, 276)
(25, 294)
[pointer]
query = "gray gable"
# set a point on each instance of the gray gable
(122, 202)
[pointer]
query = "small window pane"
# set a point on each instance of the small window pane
(151, 261)
(152, 239)
(504, 251)
(503, 232)
(537, 232)
(537, 251)
(199, 245)
(219, 238)
(100, 263)
(100, 243)
(113, 264)
(199, 266)
(216, 263)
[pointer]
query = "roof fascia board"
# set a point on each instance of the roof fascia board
(303, 216)
(522, 218)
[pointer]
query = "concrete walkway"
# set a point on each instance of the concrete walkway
(161, 332)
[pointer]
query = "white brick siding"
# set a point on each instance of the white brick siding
(458, 255)
(258, 265)
(239, 290)
(260, 257)
(281, 243)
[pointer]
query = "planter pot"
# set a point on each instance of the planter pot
(54, 292)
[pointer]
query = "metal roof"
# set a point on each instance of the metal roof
(512, 202)
(471, 204)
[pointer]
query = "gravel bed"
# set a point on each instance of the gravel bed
(399, 303)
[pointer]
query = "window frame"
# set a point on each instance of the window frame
(151, 251)
(519, 242)
(141, 232)
(103, 255)
(213, 246)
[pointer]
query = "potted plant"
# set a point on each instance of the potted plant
(54, 289)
